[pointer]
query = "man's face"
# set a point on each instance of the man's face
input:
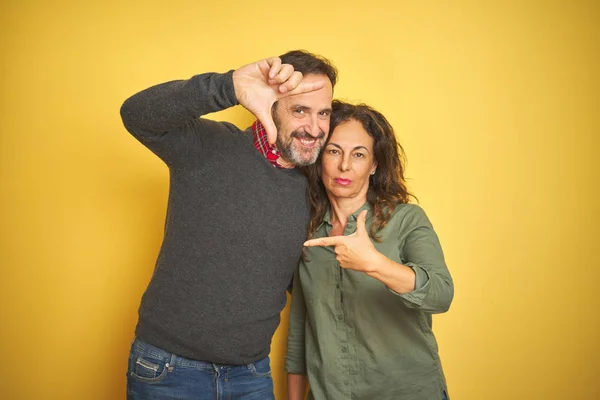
(302, 123)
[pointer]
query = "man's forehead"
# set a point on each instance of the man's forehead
(320, 99)
(317, 77)
(327, 89)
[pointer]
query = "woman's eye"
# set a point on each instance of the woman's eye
(332, 151)
(359, 155)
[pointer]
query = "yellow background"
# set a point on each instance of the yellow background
(496, 104)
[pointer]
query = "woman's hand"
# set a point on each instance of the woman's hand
(354, 251)
(358, 253)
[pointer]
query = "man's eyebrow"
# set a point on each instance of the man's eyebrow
(301, 107)
(309, 108)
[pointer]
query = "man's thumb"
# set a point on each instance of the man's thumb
(267, 121)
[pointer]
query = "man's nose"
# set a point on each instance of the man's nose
(312, 126)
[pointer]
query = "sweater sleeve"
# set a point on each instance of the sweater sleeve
(421, 250)
(166, 117)
(295, 361)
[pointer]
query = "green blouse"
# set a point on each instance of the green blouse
(357, 339)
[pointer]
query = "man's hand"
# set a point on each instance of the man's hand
(354, 251)
(259, 85)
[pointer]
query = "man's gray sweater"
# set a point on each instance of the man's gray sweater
(234, 228)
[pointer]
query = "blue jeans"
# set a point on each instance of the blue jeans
(156, 374)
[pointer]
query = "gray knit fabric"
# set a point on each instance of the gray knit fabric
(234, 230)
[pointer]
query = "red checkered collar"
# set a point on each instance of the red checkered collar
(261, 143)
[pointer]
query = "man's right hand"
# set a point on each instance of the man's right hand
(259, 85)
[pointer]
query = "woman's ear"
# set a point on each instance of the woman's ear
(374, 169)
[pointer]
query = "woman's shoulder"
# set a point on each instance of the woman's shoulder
(408, 209)
(409, 213)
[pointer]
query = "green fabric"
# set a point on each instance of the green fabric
(355, 338)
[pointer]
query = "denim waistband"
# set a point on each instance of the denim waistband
(174, 360)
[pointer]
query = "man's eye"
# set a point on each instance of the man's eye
(299, 111)
(325, 113)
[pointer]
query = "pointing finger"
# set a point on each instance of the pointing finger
(327, 241)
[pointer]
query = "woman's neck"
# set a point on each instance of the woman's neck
(342, 208)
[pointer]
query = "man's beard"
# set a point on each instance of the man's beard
(290, 152)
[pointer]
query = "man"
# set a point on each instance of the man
(236, 221)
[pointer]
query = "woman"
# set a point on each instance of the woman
(364, 293)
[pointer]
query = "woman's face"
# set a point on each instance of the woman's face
(348, 161)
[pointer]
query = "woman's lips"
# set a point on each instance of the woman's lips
(342, 181)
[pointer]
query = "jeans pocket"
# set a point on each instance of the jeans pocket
(146, 368)
(261, 368)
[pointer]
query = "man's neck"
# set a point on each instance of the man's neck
(285, 164)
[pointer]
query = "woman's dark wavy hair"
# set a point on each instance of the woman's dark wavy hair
(387, 186)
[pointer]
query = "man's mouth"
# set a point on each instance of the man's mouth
(307, 140)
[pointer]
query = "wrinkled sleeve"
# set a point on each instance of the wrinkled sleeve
(295, 359)
(166, 117)
(421, 250)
